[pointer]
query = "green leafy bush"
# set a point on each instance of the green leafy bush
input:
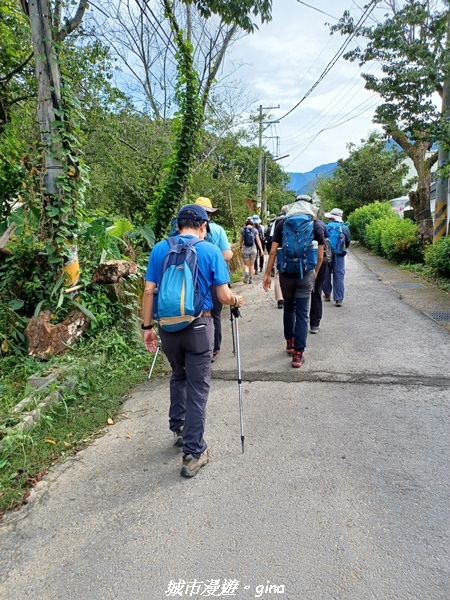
(363, 216)
(400, 241)
(373, 234)
(437, 257)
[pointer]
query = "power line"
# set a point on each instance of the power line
(318, 10)
(336, 57)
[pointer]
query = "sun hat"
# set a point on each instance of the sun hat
(256, 220)
(194, 212)
(206, 203)
(335, 214)
(305, 198)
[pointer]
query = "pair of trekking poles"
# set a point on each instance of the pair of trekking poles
(234, 318)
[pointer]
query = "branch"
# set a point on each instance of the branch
(72, 24)
(215, 67)
(17, 69)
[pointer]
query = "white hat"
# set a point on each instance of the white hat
(335, 214)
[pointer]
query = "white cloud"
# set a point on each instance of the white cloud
(283, 60)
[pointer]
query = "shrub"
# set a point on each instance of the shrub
(400, 241)
(373, 234)
(437, 257)
(363, 216)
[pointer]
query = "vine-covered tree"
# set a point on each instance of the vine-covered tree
(191, 99)
(410, 45)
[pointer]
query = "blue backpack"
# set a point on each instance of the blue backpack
(337, 237)
(298, 235)
(249, 235)
(178, 301)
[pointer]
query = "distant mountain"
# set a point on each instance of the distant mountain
(304, 183)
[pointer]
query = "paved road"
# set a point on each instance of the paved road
(342, 492)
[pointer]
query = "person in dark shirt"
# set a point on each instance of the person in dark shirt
(315, 312)
(296, 291)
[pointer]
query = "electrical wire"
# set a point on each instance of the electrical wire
(318, 9)
(370, 7)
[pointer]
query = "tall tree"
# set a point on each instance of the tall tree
(410, 47)
(191, 98)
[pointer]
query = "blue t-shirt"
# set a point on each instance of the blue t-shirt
(212, 268)
(217, 236)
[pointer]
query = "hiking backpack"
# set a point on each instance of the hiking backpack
(295, 255)
(249, 234)
(337, 237)
(178, 300)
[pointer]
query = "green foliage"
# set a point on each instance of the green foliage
(239, 12)
(363, 216)
(106, 364)
(371, 173)
(400, 241)
(374, 232)
(437, 257)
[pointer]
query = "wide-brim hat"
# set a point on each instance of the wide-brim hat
(207, 204)
(256, 220)
(335, 214)
(194, 212)
(305, 198)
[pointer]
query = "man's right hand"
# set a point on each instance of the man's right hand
(151, 340)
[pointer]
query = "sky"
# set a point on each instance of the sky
(284, 59)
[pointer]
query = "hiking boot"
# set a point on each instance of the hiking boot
(250, 279)
(290, 346)
(192, 465)
(246, 278)
(280, 303)
(314, 329)
(338, 303)
(298, 359)
(178, 437)
(327, 298)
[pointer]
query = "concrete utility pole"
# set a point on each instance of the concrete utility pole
(260, 155)
(49, 94)
(441, 208)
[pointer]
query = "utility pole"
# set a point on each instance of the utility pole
(441, 207)
(260, 156)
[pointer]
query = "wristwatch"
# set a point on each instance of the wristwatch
(147, 327)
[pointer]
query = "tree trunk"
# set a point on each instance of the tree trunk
(420, 198)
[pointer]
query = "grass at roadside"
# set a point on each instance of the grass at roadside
(106, 366)
(424, 271)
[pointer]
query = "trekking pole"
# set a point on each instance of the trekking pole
(237, 314)
(154, 362)
(232, 329)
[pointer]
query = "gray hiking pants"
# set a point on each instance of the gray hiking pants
(189, 352)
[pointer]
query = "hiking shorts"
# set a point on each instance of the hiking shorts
(249, 253)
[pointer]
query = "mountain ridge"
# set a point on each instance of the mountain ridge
(303, 183)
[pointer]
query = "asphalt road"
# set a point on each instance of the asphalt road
(342, 492)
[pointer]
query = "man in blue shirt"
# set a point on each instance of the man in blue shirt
(217, 236)
(189, 350)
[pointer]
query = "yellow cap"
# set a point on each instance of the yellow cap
(206, 203)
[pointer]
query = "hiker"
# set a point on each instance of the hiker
(249, 243)
(315, 311)
(298, 270)
(188, 346)
(218, 237)
(260, 255)
(339, 242)
(274, 272)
